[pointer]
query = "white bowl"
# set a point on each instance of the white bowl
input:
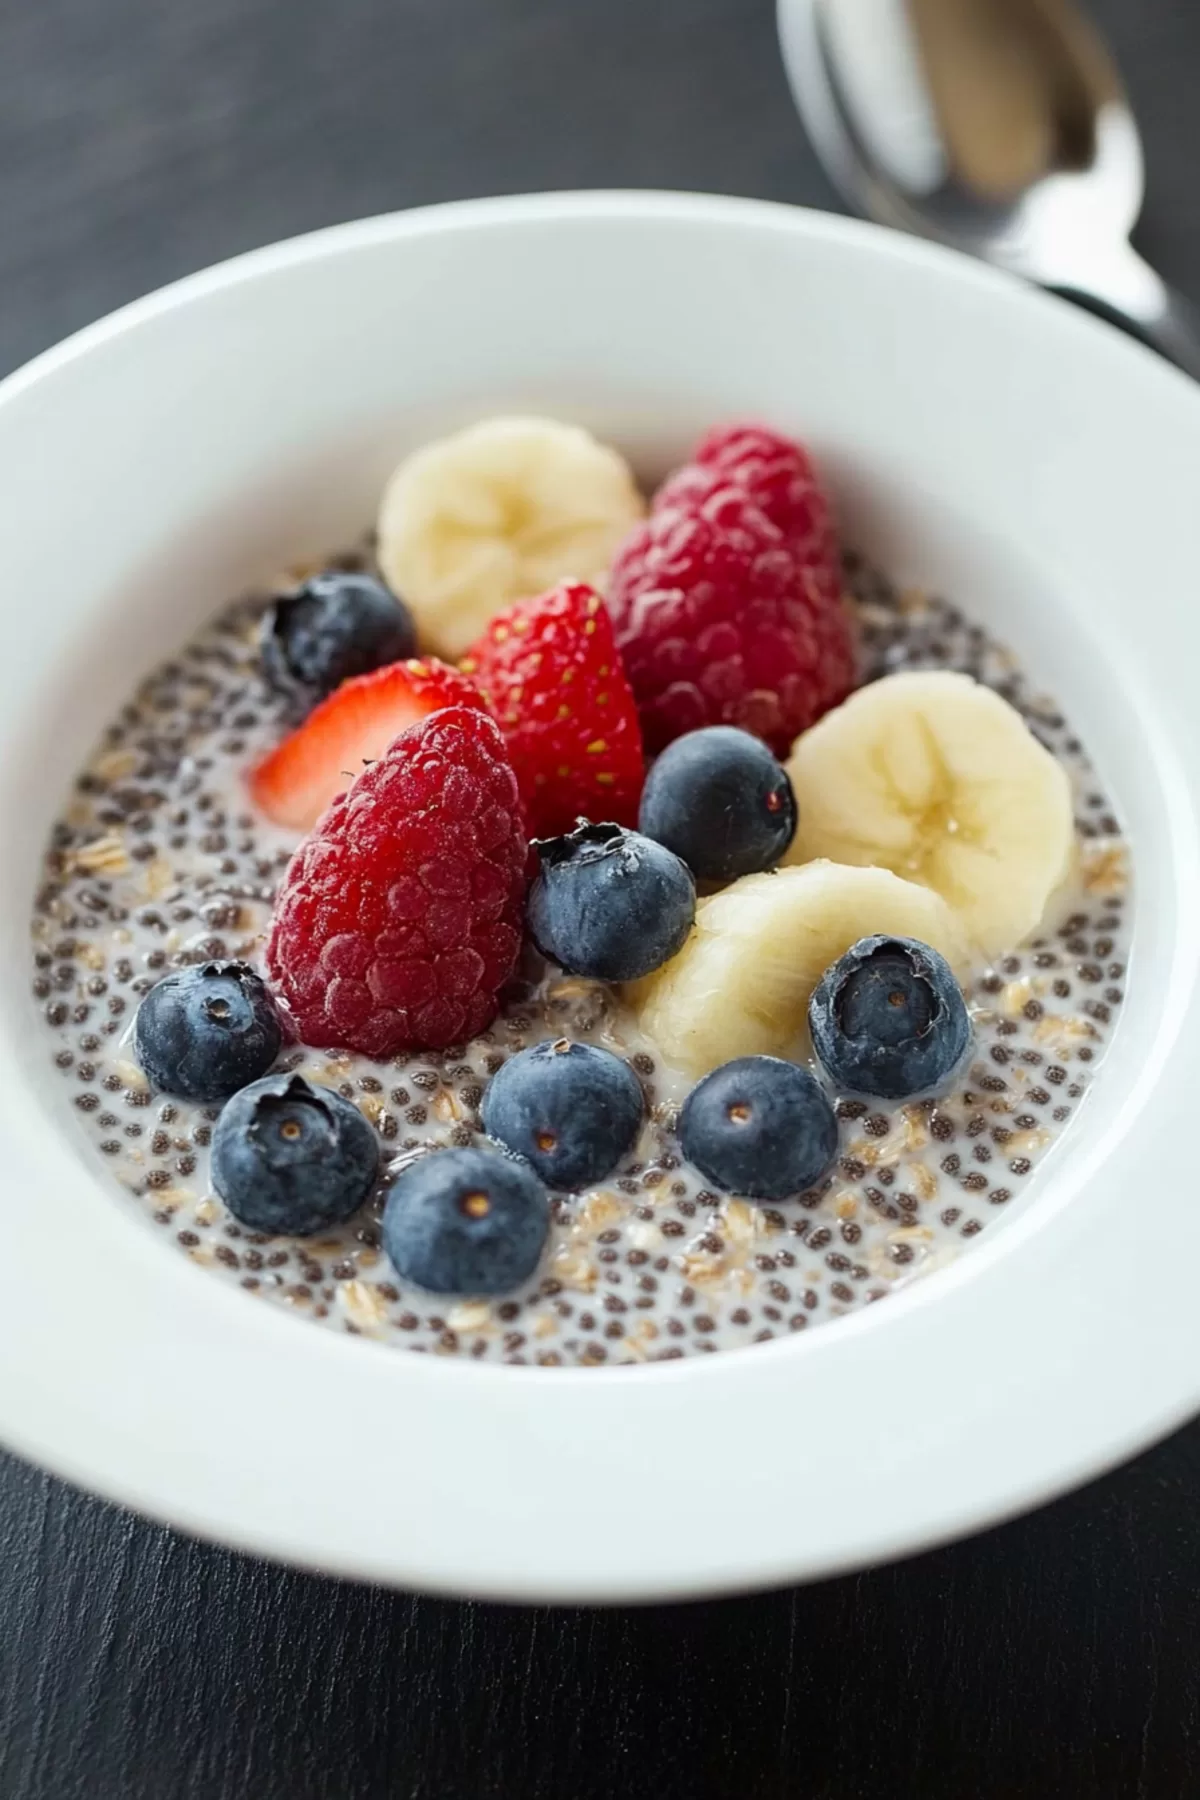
(983, 438)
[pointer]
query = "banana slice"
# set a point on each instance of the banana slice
(499, 511)
(741, 984)
(937, 778)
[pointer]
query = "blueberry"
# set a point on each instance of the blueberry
(336, 625)
(888, 1019)
(759, 1126)
(291, 1158)
(465, 1222)
(206, 1031)
(721, 802)
(609, 903)
(571, 1110)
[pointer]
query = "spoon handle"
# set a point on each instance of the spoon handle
(1140, 302)
(1175, 332)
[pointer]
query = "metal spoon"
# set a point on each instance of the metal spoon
(998, 126)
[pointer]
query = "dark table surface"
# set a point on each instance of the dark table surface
(1057, 1656)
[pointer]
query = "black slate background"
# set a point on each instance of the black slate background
(1057, 1656)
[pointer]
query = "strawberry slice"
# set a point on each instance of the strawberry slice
(550, 672)
(353, 727)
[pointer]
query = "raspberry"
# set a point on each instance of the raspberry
(398, 920)
(550, 672)
(779, 476)
(719, 623)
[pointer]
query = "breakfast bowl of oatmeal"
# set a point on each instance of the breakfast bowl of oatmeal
(599, 801)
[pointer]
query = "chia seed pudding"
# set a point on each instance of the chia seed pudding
(158, 861)
(296, 794)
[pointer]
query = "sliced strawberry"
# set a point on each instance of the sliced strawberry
(550, 672)
(353, 727)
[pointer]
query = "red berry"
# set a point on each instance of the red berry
(780, 477)
(354, 726)
(719, 623)
(399, 919)
(549, 670)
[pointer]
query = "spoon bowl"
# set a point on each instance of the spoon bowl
(999, 127)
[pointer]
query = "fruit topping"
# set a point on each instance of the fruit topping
(465, 1222)
(336, 625)
(936, 777)
(609, 903)
(780, 477)
(571, 1110)
(741, 984)
(721, 802)
(760, 1127)
(293, 1159)
(398, 920)
(719, 622)
(206, 1031)
(549, 670)
(501, 510)
(889, 1019)
(345, 734)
